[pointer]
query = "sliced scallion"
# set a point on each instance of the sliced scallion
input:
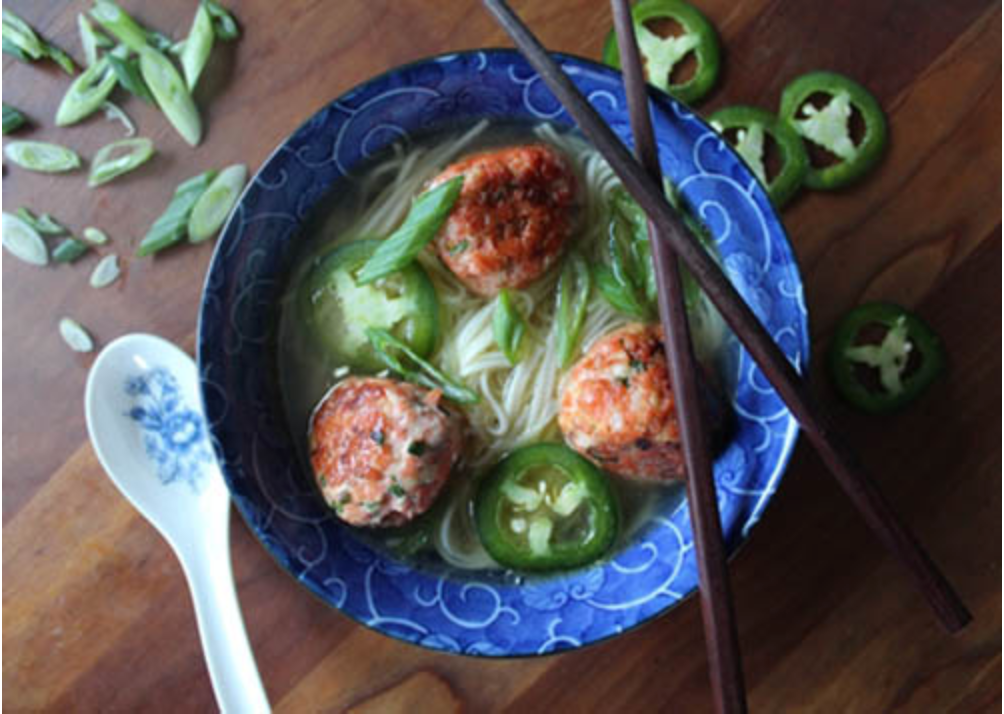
(397, 354)
(118, 22)
(117, 158)
(69, 250)
(198, 46)
(127, 72)
(86, 94)
(20, 40)
(105, 272)
(42, 156)
(91, 39)
(420, 226)
(172, 95)
(12, 119)
(574, 286)
(45, 224)
(508, 326)
(215, 205)
(95, 235)
(74, 334)
(113, 112)
(224, 25)
(172, 225)
(23, 241)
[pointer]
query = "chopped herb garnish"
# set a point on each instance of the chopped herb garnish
(625, 382)
(637, 365)
(417, 448)
(378, 437)
(395, 489)
(458, 248)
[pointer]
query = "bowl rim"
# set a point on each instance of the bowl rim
(780, 466)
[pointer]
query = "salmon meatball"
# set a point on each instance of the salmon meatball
(511, 221)
(617, 407)
(382, 450)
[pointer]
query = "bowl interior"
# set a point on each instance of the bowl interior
(480, 613)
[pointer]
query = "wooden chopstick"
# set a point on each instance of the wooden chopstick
(717, 612)
(838, 457)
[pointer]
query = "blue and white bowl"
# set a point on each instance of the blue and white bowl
(467, 611)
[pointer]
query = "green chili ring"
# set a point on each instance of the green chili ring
(900, 385)
(794, 159)
(579, 529)
(858, 159)
(703, 42)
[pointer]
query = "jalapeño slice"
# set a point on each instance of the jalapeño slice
(662, 54)
(545, 507)
(883, 357)
(338, 310)
(829, 126)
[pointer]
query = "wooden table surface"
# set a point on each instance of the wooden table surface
(96, 615)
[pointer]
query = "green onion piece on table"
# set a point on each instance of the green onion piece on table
(42, 156)
(198, 46)
(661, 55)
(22, 241)
(746, 129)
(95, 235)
(127, 72)
(420, 226)
(172, 96)
(120, 24)
(12, 119)
(224, 25)
(118, 158)
(45, 224)
(20, 40)
(508, 326)
(214, 206)
(87, 93)
(113, 112)
(829, 127)
(574, 286)
(74, 335)
(172, 225)
(69, 250)
(91, 39)
(396, 354)
(105, 272)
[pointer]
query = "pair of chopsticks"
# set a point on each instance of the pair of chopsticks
(669, 235)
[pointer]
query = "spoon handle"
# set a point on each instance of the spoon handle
(232, 669)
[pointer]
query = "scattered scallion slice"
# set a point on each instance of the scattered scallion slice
(86, 94)
(91, 39)
(45, 224)
(172, 95)
(12, 119)
(172, 225)
(95, 235)
(105, 272)
(211, 210)
(574, 286)
(69, 250)
(198, 46)
(74, 334)
(508, 326)
(127, 72)
(420, 226)
(424, 373)
(20, 40)
(113, 112)
(118, 22)
(224, 26)
(23, 241)
(117, 158)
(42, 156)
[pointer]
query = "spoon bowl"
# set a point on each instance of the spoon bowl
(144, 420)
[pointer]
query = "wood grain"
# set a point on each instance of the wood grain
(96, 614)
